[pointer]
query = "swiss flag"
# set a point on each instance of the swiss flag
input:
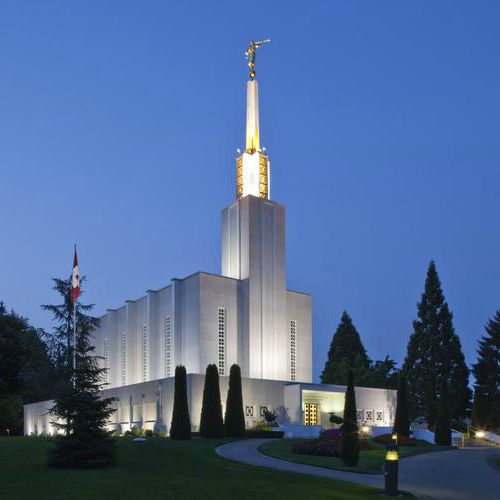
(75, 279)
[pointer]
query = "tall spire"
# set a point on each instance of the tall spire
(253, 143)
(252, 166)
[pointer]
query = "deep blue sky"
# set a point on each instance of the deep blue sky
(119, 123)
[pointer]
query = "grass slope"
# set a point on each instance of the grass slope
(159, 468)
(370, 461)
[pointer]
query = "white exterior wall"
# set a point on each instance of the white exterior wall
(298, 309)
(253, 250)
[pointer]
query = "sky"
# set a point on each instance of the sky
(119, 123)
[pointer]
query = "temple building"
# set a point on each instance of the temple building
(246, 315)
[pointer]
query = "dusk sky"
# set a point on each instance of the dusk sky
(119, 123)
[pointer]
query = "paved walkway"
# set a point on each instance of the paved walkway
(447, 475)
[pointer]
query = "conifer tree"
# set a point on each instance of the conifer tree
(79, 410)
(211, 424)
(442, 433)
(486, 407)
(346, 354)
(435, 355)
(349, 450)
(180, 428)
(234, 421)
(402, 419)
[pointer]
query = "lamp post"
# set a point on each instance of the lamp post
(391, 470)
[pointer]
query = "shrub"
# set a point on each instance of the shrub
(269, 415)
(211, 424)
(402, 418)
(402, 440)
(181, 424)
(336, 419)
(136, 431)
(127, 433)
(234, 421)
(160, 433)
(148, 433)
(349, 450)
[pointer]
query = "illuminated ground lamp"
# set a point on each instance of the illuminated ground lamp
(480, 434)
(365, 429)
(394, 438)
(391, 471)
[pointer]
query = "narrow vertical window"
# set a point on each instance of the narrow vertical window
(144, 353)
(124, 359)
(293, 350)
(168, 346)
(222, 340)
(105, 361)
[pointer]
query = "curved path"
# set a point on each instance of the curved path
(447, 475)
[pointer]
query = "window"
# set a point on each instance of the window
(105, 361)
(124, 359)
(249, 411)
(262, 410)
(293, 350)
(168, 346)
(222, 340)
(359, 415)
(144, 353)
(379, 415)
(369, 415)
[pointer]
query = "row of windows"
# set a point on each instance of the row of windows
(222, 340)
(144, 353)
(293, 350)
(168, 346)
(124, 359)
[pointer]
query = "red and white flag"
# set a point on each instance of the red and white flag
(75, 279)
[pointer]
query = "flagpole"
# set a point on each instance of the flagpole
(74, 343)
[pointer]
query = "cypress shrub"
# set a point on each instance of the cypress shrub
(402, 418)
(181, 424)
(211, 424)
(442, 432)
(349, 448)
(234, 420)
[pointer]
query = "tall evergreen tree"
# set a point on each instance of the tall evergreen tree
(346, 354)
(211, 424)
(234, 420)
(486, 407)
(435, 355)
(442, 434)
(349, 450)
(180, 427)
(26, 370)
(79, 410)
(402, 418)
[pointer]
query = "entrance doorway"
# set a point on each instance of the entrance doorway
(311, 413)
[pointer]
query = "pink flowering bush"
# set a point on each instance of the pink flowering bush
(326, 445)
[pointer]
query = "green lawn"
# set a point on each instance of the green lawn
(159, 468)
(371, 461)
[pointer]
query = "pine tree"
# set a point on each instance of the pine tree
(180, 427)
(234, 420)
(402, 419)
(435, 355)
(211, 424)
(346, 354)
(486, 407)
(442, 434)
(349, 451)
(79, 410)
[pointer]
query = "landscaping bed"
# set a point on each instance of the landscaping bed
(370, 460)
